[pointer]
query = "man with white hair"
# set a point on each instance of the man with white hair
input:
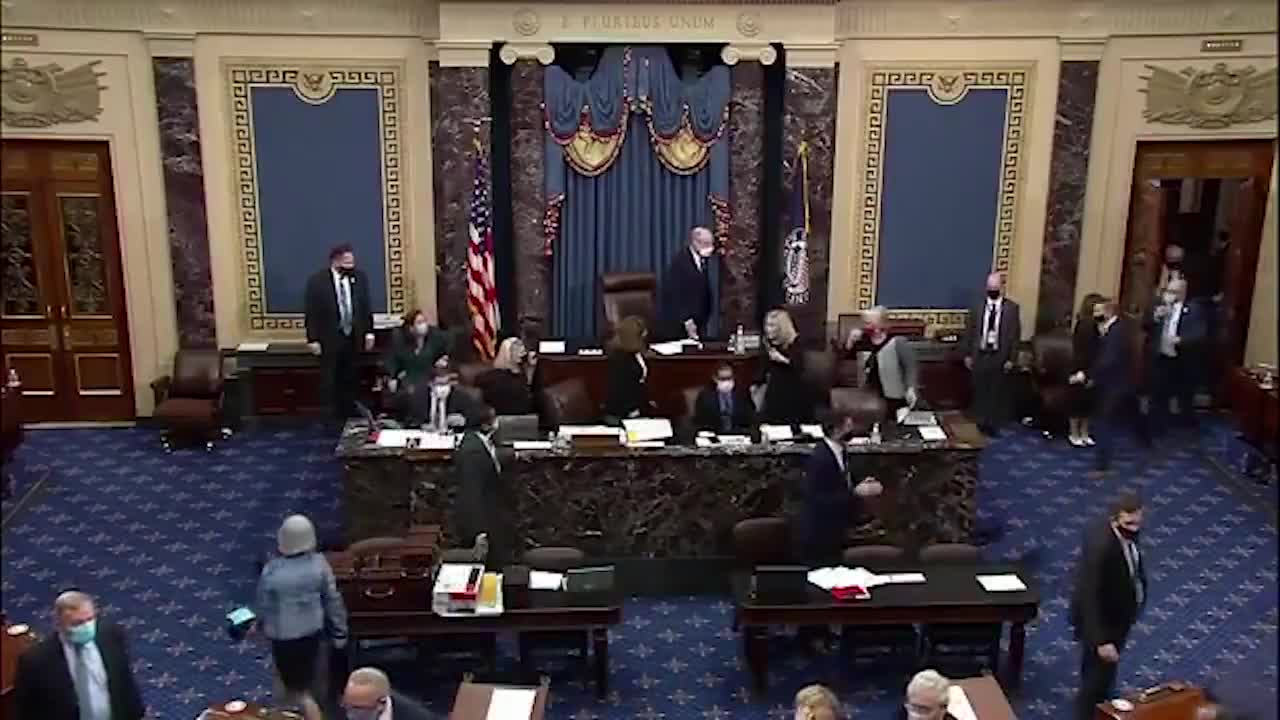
(927, 696)
(1175, 330)
(891, 369)
(369, 697)
(81, 672)
(686, 289)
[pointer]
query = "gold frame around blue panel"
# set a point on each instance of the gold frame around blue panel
(315, 86)
(945, 86)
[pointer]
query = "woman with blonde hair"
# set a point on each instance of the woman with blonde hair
(816, 702)
(787, 397)
(506, 387)
(627, 389)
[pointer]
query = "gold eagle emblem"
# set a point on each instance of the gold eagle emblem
(1215, 98)
(34, 97)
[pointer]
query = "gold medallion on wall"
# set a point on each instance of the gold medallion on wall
(314, 85)
(944, 86)
(1209, 99)
(37, 96)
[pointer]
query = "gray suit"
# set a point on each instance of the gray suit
(898, 370)
(991, 395)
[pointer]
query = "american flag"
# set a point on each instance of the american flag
(482, 294)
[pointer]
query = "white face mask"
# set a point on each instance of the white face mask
(420, 329)
(724, 386)
(705, 252)
(441, 391)
(1170, 298)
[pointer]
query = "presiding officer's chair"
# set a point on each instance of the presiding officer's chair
(189, 402)
(567, 403)
(625, 294)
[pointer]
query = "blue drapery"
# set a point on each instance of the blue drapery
(636, 213)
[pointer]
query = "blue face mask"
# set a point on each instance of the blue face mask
(83, 633)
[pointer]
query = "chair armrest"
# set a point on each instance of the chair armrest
(160, 388)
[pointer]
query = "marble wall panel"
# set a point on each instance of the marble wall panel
(533, 268)
(1068, 175)
(459, 97)
(741, 262)
(184, 200)
(811, 95)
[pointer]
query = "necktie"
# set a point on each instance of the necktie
(82, 679)
(991, 326)
(1131, 556)
(344, 305)
(437, 413)
(726, 411)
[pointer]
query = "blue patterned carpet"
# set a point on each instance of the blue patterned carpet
(167, 542)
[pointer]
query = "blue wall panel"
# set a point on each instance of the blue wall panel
(319, 170)
(940, 197)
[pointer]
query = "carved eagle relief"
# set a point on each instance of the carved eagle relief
(1213, 98)
(47, 95)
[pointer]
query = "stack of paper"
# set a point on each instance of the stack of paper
(590, 351)
(904, 578)
(1001, 583)
(437, 441)
(511, 704)
(840, 576)
(734, 439)
(643, 430)
(813, 431)
(958, 704)
(397, 438)
(531, 445)
(667, 348)
(932, 433)
(383, 321)
(551, 347)
(540, 580)
(703, 441)
(246, 347)
(775, 433)
(572, 431)
(916, 418)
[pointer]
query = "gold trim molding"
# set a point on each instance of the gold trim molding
(945, 86)
(1213, 98)
(39, 96)
(313, 85)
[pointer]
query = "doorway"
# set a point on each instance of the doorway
(1209, 198)
(62, 311)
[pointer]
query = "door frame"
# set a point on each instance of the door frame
(130, 125)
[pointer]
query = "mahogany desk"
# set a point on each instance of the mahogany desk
(11, 648)
(951, 594)
(251, 711)
(1256, 411)
(986, 698)
(472, 702)
(1175, 702)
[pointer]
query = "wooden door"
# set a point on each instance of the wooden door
(63, 316)
(1144, 249)
(1241, 269)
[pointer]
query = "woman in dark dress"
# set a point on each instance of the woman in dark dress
(1084, 344)
(417, 350)
(506, 386)
(788, 399)
(627, 380)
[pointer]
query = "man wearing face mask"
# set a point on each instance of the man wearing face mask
(1172, 269)
(369, 697)
(439, 406)
(828, 498)
(82, 672)
(891, 368)
(1111, 378)
(482, 495)
(339, 319)
(928, 695)
(686, 289)
(1110, 590)
(992, 332)
(1175, 330)
(723, 407)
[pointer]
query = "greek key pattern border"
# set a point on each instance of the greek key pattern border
(241, 79)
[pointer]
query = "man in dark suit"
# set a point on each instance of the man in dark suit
(369, 697)
(686, 289)
(82, 672)
(441, 405)
(991, 337)
(1176, 330)
(1111, 378)
(339, 321)
(828, 499)
(722, 406)
(1110, 589)
(481, 495)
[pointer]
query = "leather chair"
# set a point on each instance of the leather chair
(628, 293)
(690, 396)
(567, 403)
(874, 555)
(189, 403)
(1053, 364)
(762, 541)
(469, 371)
(554, 558)
(956, 646)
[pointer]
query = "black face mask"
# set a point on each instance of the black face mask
(347, 271)
(993, 294)
(1099, 319)
(1130, 535)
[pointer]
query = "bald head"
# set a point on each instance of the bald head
(995, 281)
(1173, 254)
(366, 688)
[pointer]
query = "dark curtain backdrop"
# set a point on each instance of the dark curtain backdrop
(504, 246)
(634, 216)
(769, 290)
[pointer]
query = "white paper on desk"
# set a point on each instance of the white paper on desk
(916, 418)
(647, 444)
(906, 578)
(667, 348)
(647, 429)
(1001, 583)
(958, 704)
(397, 438)
(932, 433)
(511, 704)
(589, 352)
(531, 445)
(551, 347)
(813, 431)
(542, 580)
(734, 439)
(703, 441)
(841, 576)
(252, 347)
(437, 441)
(382, 321)
(775, 433)
(588, 430)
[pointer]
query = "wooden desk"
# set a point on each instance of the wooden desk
(472, 702)
(11, 648)
(950, 595)
(251, 711)
(986, 698)
(1176, 702)
(1256, 411)
(10, 430)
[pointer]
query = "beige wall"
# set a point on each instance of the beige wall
(129, 125)
(1264, 316)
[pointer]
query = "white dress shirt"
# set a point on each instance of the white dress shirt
(493, 451)
(1168, 338)
(837, 450)
(697, 259)
(991, 334)
(644, 367)
(99, 694)
(342, 289)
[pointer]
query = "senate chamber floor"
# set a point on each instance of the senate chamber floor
(168, 541)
